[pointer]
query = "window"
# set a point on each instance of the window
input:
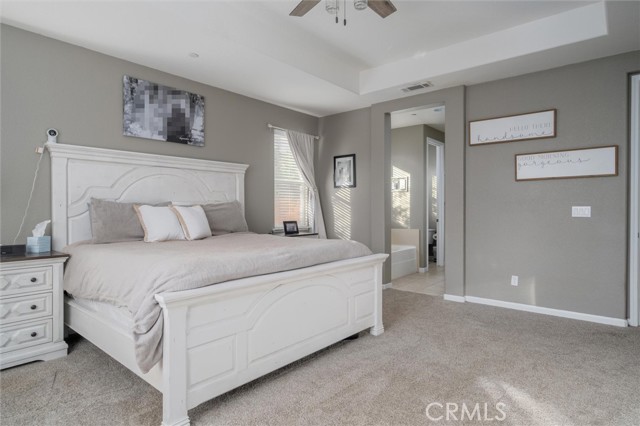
(292, 198)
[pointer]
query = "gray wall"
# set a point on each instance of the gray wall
(407, 157)
(525, 228)
(47, 83)
(346, 210)
(380, 200)
(368, 133)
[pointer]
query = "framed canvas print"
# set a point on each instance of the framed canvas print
(162, 113)
(572, 163)
(344, 171)
(534, 125)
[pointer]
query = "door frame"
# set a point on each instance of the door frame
(440, 176)
(634, 199)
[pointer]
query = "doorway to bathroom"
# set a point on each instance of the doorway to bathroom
(417, 200)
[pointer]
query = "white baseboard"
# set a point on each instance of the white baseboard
(453, 298)
(387, 285)
(423, 270)
(545, 311)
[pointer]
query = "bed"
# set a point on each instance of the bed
(218, 337)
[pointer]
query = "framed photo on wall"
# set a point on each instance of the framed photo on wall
(399, 184)
(344, 171)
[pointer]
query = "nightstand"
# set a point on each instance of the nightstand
(31, 313)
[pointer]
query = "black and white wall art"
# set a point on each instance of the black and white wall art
(162, 113)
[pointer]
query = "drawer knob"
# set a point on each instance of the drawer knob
(34, 279)
(34, 334)
(34, 307)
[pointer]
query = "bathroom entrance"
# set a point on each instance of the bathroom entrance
(417, 199)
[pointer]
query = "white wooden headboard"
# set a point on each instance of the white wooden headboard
(79, 173)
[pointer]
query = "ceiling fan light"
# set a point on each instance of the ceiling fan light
(360, 4)
(332, 7)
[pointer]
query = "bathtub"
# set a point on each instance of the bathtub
(404, 260)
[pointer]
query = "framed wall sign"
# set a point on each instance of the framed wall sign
(344, 171)
(534, 125)
(573, 163)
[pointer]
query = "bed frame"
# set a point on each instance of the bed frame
(219, 337)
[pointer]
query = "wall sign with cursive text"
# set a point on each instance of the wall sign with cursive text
(574, 163)
(534, 125)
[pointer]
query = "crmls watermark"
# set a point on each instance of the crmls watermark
(452, 411)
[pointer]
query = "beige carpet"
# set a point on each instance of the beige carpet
(545, 370)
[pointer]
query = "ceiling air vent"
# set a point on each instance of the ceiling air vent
(417, 86)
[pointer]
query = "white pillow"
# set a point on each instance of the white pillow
(193, 221)
(159, 223)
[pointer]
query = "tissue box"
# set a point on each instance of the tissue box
(38, 244)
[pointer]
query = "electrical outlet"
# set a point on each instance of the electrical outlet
(514, 280)
(39, 150)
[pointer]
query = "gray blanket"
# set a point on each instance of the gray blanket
(130, 274)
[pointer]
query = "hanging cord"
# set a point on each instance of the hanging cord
(344, 12)
(33, 187)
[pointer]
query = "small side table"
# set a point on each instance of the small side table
(31, 311)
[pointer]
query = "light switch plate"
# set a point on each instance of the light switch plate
(581, 211)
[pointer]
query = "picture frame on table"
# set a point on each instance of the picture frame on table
(290, 227)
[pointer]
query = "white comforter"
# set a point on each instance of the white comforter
(130, 274)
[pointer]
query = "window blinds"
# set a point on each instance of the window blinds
(292, 198)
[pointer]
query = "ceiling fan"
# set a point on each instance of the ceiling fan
(383, 8)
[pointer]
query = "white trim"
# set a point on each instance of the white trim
(454, 298)
(440, 176)
(387, 286)
(423, 270)
(548, 311)
(634, 206)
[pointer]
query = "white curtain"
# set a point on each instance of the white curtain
(302, 148)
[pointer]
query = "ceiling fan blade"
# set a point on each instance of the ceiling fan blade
(383, 8)
(303, 7)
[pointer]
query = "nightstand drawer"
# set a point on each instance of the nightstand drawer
(20, 336)
(25, 280)
(25, 308)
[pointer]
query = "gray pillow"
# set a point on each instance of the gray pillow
(225, 217)
(113, 222)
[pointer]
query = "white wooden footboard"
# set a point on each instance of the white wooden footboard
(220, 337)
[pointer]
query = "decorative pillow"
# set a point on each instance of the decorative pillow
(225, 217)
(159, 223)
(193, 221)
(113, 222)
